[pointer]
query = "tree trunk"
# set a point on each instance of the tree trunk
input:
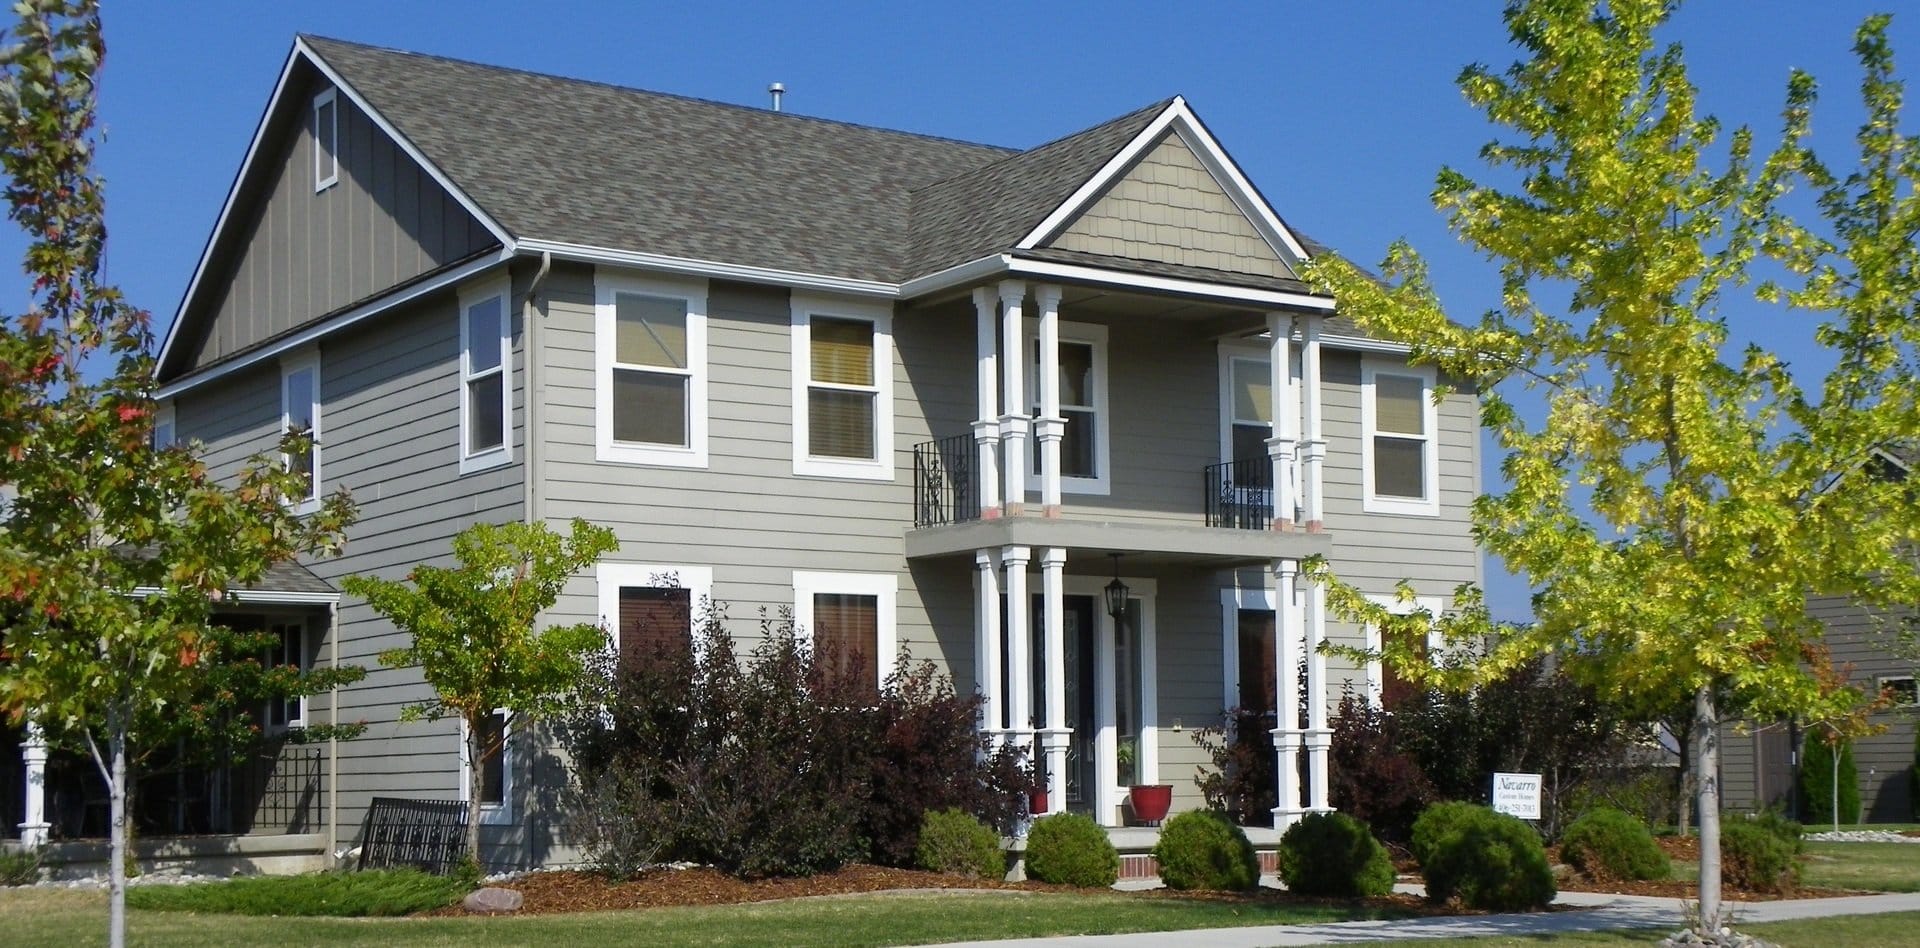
(117, 819)
(476, 748)
(1683, 777)
(1706, 771)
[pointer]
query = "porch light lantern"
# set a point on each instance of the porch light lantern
(1117, 593)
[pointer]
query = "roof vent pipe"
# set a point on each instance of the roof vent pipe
(777, 90)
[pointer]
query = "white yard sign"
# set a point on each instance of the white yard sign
(1517, 795)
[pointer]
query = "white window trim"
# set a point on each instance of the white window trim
(884, 587)
(1880, 686)
(803, 308)
(606, 284)
(326, 165)
(491, 814)
(166, 431)
(1095, 335)
(1371, 502)
(1232, 601)
(299, 720)
(610, 578)
(1376, 674)
(291, 365)
(469, 298)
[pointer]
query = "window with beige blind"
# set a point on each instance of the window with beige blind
(842, 400)
(848, 620)
(1398, 447)
(652, 389)
(1249, 408)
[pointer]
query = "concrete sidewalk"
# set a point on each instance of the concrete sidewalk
(1578, 912)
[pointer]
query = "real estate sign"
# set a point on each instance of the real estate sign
(1517, 795)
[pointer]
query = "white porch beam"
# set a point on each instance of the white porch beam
(1050, 428)
(1316, 443)
(1053, 641)
(986, 629)
(1013, 398)
(1286, 731)
(986, 423)
(1286, 417)
(1019, 648)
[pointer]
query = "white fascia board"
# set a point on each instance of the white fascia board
(1363, 344)
(257, 597)
(1179, 117)
(958, 275)
(1049, 270)
(608, 256)
(314, 332)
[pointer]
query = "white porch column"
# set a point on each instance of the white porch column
(1050, 427)
(986, 651)
(1286, 731)
(1053, 642)
(1319, 737)
(1286, 418)
(1019, 648)
(986, 424)
(33, 753)
(1013, 396)
(1316, 443)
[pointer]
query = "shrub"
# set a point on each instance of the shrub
(1777, 823)
(1070, 849)
(1439, 821)
(955, 842)
(1757, 860)
(20, 866)
(1371, 778)
(1817, 782)
(385, 892)
(1333, 854)
(1913, 777)
(1241, 782)
(1608, 844)
(1489, 861)
(1202, 849)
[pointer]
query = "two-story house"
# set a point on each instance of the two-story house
(929, 395)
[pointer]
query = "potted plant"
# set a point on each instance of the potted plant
(1149, 801)
(1036, 790)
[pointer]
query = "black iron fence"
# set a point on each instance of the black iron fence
(291, 791)
(429, 835)
(946, 481)
(1239, 494)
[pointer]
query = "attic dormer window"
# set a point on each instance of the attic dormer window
(326, 141)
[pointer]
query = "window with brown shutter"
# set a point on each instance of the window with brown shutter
(846, 636)
(656, 623)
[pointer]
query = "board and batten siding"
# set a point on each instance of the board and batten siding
(390, 435)
(296, 254)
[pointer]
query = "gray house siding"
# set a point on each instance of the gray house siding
(298, 254)
(390, 435)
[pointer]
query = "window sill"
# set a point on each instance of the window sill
(1400, 507)
(842, 469)
(485, 460)
(496, 814)
(651, 456)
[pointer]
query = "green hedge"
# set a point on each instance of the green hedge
(1070, 849)
(1488, 860)
(351, 894)
(1202, 849)
(956, 842)
(1605, 843)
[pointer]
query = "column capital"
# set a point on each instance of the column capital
(1310, 324)
(1315, 450)
(986, 429)
(1053, 556)
(985, 559)
(1284, 569)
(984, 299)
(1013, 292)
(1049, 429)
(1016, 554)
(1046, 294)
(1014, 426)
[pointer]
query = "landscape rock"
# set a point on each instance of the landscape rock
(1862, 836)
(492, 901)
(1721, 938)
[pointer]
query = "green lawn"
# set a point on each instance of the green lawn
(65, 917)
(1873, 867)
(1847, 931)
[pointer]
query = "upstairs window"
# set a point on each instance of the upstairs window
(1083, 403)
(326, 141)
(1399, 446)
(300, 414)
(485, 397)
(1899, 690)
(843, 379)
(1249, 405)
(651, 338)
(163, 426)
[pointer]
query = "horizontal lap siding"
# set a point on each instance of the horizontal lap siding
(390, 435)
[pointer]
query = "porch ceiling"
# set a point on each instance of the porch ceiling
(1166, 545)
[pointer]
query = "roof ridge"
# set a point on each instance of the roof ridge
(634, 90)
(1155, 107)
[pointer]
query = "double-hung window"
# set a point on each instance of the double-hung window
(1899, 690)
(326, 140)
(492, 776)
(847, 619)
(651, 351)
(1399, 448)
(486, 332)
(163, 425)
(300, 414)
(1249, 409)
(843, 388)
(650, 611)
(1083, 403)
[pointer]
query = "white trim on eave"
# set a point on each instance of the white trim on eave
(714, 269)
(1179, 117)
(301, 49)
(1072, 272)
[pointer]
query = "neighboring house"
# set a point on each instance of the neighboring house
(885, 380)
(1758, 760)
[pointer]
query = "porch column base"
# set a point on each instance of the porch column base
(1319, 743)
(33, 754)
(1053, 744)
(1284, 818)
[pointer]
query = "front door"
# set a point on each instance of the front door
(1083, 748)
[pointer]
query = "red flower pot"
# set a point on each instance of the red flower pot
(1150, 801)
(1036, 801)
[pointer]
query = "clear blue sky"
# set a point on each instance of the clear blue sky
(1340, 112)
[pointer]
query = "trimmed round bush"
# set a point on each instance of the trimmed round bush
(1070, 849)
(1333, 854)
(1757, 860)
(1437, 822)
(1489, 861)
(1610, 844)
(1202, 849)
(1774, 821)
(954, 842)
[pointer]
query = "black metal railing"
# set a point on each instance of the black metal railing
(946, 481)
(1239, 494)
(429, 835)
(292, 796)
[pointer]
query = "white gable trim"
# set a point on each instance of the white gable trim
(1179, 117)
(1045, 270)
(302, 50)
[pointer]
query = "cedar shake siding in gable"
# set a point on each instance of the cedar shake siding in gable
(293, 255)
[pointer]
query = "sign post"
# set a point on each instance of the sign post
(1517, 795)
